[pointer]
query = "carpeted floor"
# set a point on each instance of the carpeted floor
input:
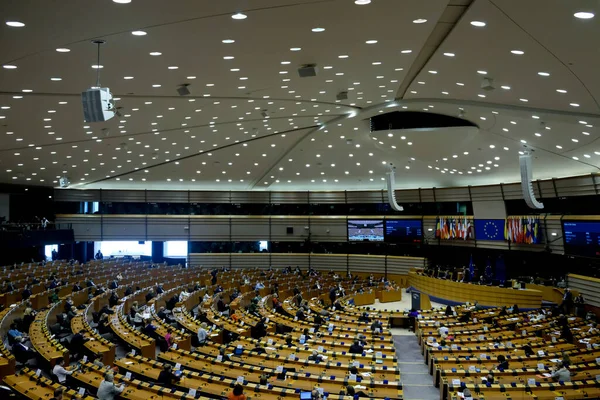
(417, 384)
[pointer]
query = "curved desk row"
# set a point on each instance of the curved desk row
(449, 292)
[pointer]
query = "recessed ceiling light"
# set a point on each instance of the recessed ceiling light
(480, 72)
(317, 30)
(518, 52)
(478, 24)
(228, 58)
(173, 67)
(362, 2)
(524, 100)
(563, 91)
(584, 15)
(63, 50)
(558, 147)
(156, 85)
(9, 66)
(155, 53)
(505, 87)
(433, 72)
(460, 84)
(228, 41)
(574, 104)
(128, 77)
(449, 54)
(15, 24)
(543, 73)
(419, 21)
(239, 16)
(371, 41)
(97, 66)
(139, 33)
(295, 48)
(406, 51)
(56, 79)
(343, 56)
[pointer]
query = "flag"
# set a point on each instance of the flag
(522, 230)
(471, 269)
(500, 269)
(489, 229)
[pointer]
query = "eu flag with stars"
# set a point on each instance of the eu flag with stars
(489, 229)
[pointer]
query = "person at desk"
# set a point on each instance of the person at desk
(443, 330)
(237, 393)
(260, 329)
(128, 291)
(90, 283)
(351, 391)
(364, 317)
(356, 348)
(566, 334)
(26, 293)
(107, 389)
(113, 300)
(300, 315)
(159, 289)
(202, 334)
(315, 356)
(163, 315)
(22, 352)
(338, 305)
(14, 333)
(113, 285)
(561, 374)
(222, 307)
(502, 363)
(58, 394)
(53, 298)
(149, 295)
(169, 337)
(166, 377)
(259, 285)
(77, 343)
(567, 301)
(449, 312)
(61, 372)
(376, 326)
(149, 328)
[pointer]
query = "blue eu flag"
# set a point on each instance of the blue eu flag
(489, 229)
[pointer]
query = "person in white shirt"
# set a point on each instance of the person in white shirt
(108, 390)
(259, 286)
(206, 296)
(202, 334)
(60, 371)
(443, 330)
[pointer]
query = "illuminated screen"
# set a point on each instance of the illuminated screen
(403, 230)
(365, 230)
(582, 238)
(176, 249)
(123, 248)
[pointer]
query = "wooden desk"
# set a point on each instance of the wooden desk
(487, 296)
(388, 296)
(29, 385)
(364, 299)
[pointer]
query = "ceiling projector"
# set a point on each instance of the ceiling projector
(98, 104)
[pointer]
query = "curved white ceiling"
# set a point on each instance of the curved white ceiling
(545, 99)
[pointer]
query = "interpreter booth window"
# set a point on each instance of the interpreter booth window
(175, 249)
(123, 248)
(48, 251)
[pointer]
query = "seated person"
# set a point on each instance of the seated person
(356, 348)
(561, 374)
(316, 357)
(364, 317)
(13, 332)
(376, 325)
(502, 363)
(149, 328)
(166, 376)
(169, 338)
(351, 391)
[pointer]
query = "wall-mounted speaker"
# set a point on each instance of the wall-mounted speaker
(526, 186)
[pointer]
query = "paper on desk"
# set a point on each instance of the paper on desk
(365, 374)
(369, 351)
(129, 362)
(546, 375)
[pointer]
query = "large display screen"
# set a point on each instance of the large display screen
(365, 230)
(582, 238)
(403, 230)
